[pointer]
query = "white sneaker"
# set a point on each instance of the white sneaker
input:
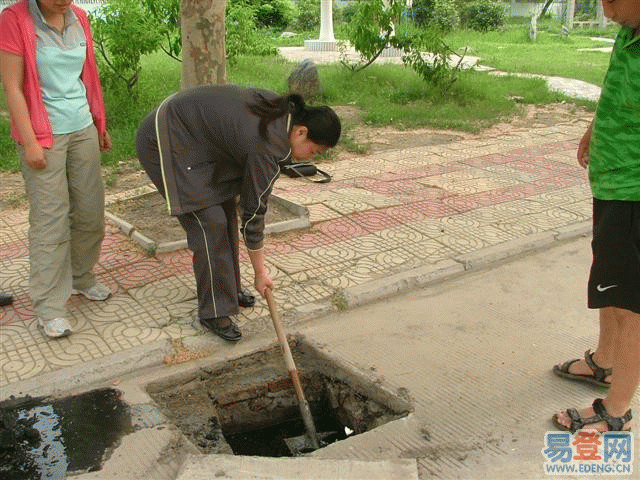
(56, 328)
(98, 292)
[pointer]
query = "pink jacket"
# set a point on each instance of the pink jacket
(19, 37)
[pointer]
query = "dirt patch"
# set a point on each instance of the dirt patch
(148, 215)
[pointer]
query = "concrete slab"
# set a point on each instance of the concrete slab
(148, 454)
(229, 467)
(474, 353)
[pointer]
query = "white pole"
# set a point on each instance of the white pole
(326, 21)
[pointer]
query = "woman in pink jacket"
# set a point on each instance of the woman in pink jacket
(51, 84)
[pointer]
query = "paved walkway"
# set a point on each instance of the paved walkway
(441, 208)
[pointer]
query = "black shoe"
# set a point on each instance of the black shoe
(229, 332)
(8, 299)
(246, 299)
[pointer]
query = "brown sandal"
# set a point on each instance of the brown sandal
(597, 378)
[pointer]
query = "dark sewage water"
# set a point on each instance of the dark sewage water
(49, 439)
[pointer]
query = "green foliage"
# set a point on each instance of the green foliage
(434, 69)
(372, 26)
(509, 49)
(277, 14)
(384, 94)
(166, 15)
(349, 11)
(445, 15)
(372, 30)
(484, 15)
(124, 32)
(9, 158)
(308, 15)
(422, 11)
(241, 34)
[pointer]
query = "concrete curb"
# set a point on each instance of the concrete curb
(94, 371)
(150, 246)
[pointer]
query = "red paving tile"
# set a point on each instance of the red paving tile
(8, 316)
(116, 254)
(340, 229)
(376, 220)
(302, 241)
(180, 261)
(21, 307)
(14, 250)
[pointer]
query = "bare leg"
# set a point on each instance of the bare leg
(603, 356)
(625, 364)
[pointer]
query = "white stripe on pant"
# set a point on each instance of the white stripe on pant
(212, 235)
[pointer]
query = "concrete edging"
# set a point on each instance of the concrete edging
(301, 222)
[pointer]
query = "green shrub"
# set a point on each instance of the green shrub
(422, 11)
(241, 33)
(348, 11)
(445, 15)
(484, 15)
(277, 14)
(124, 31)
(308, 15)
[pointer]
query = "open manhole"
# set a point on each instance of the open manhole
(42, 438)
(145, 219)
(248, 406)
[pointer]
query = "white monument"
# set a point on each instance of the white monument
(326, 42)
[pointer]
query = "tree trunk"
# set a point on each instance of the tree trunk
(203, 51)
(571, 7)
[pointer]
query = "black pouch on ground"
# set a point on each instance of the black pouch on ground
(295, 170)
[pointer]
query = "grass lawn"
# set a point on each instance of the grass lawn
(511, 50)
(385, 94)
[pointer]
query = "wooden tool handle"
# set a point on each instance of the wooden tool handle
(293, 371)
(282, 337)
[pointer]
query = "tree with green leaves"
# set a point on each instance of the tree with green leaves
(373, 29)
(123, 32)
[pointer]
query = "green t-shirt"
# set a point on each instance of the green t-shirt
(614, 155)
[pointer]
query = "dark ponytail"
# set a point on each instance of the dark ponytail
(322, 123)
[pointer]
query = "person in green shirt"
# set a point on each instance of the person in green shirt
(610, 149)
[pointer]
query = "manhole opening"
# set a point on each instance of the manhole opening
(41, 438)
(248, 406)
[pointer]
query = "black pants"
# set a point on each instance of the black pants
(212, 235)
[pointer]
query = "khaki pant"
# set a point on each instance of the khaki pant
(66, 220)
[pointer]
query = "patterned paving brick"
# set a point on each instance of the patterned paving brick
(383, 213)
(143, 272)
(320, 212)
(180, 261)
(340, 229)
(17, 249)
(294, 262)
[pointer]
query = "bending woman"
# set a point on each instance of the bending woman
(204, 147)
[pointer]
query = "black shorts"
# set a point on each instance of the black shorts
(615, 271)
